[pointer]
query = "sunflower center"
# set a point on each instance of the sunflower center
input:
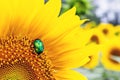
(105, 31)
(19, 60)
(115, 55)
(95, 39)
(18, 71)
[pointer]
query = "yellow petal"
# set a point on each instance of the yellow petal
(68, 51)
(4, 17)
(94, 51)
(18, 12)
(69, 75)
(65, 23)
(45, 19)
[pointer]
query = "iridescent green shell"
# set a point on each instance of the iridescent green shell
(38, 46)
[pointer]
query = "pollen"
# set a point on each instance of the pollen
(19, 61)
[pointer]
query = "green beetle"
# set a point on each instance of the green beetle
(38, 46)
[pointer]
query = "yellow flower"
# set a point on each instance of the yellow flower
(111, 54)
(94, 51)
(92, 35)
(92, 39)
(106, 29)
(38, 44)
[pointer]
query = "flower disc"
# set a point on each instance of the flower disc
(18, 60)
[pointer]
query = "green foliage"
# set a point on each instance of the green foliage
(82, 6)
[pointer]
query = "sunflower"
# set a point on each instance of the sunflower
(92, 35)
(106, 29)
(92, 39)
(38, 44)
(111, 54)
(94, 51)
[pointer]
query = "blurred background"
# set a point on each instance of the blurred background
(104, 14)
(96, 10)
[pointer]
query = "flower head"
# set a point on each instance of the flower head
(111, 54)
(92, 35)
(37, 43)
(106, 29)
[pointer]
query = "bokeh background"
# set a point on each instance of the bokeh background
(107, 11)
(104, 14)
